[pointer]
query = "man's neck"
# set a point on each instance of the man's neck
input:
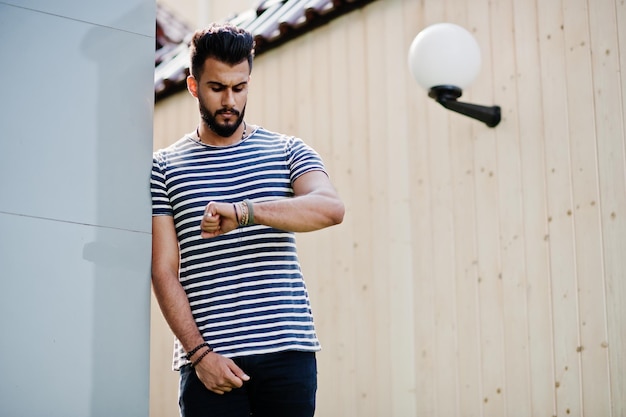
(207, 136)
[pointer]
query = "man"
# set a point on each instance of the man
(227, 200)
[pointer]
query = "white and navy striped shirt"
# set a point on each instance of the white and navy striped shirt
(245, 288)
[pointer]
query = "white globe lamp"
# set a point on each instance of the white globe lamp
(444, 58)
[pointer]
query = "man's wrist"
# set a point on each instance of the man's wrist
(202, 356)
(244, 213)
(196, 349)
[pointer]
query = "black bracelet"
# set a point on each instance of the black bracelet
(206, 352)
(197, 348)
(236, 215)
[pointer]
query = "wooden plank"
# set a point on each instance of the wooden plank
(255, 107)
(272, 86)
(463, 178)
(442, 239)
(304, 72)
(487, 225)
(462, 163)
(419, 124)
(366, 401)
(607, 22)
(376, 124)
(613, 196)
(289, 84)
(561, 233)
(400, 302)
(534, 198)
(510, 213)
(441, 247)
(588, 240)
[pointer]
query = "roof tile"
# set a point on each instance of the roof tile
(272, 23)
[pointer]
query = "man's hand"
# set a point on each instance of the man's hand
(219, 218)
(220, 374)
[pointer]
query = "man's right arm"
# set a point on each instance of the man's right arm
(218, 373)
(167, 289)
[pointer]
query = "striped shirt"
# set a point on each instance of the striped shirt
(245, 288)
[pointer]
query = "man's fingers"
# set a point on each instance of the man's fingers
(222, 389)
(210, 224)
(234, 382)
(211, 220)
(210, 210)
(221, 375)
(226, 387)
(238, 373)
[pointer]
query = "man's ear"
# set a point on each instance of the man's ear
(192, 86)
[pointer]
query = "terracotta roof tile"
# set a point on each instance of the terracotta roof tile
(170, 33)
(272, 23)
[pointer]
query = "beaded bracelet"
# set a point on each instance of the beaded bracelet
(206, 352)
(197, 348)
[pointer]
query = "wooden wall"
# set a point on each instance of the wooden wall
(479, 271)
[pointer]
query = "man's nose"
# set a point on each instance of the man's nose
(228, 99)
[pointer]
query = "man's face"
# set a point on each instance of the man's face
(222, 93)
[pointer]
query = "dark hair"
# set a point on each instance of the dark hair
(222, 41)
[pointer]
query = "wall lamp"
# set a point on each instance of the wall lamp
(445, 58)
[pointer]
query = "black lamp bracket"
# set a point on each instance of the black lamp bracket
(447, 96)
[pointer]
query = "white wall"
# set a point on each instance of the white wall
(76, 96)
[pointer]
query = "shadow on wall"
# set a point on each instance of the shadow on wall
(121, 254)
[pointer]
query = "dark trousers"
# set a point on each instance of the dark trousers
(281, 385)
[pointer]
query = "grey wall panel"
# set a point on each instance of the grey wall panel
(128, 15)
(76, 97)
(78, 106)
(74, 314)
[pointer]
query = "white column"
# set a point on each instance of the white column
(76, 87)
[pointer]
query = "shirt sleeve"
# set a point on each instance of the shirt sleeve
(161, 205)
(302, 159)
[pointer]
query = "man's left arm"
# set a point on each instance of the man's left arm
(315, 205)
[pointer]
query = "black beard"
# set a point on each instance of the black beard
(224, 131)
